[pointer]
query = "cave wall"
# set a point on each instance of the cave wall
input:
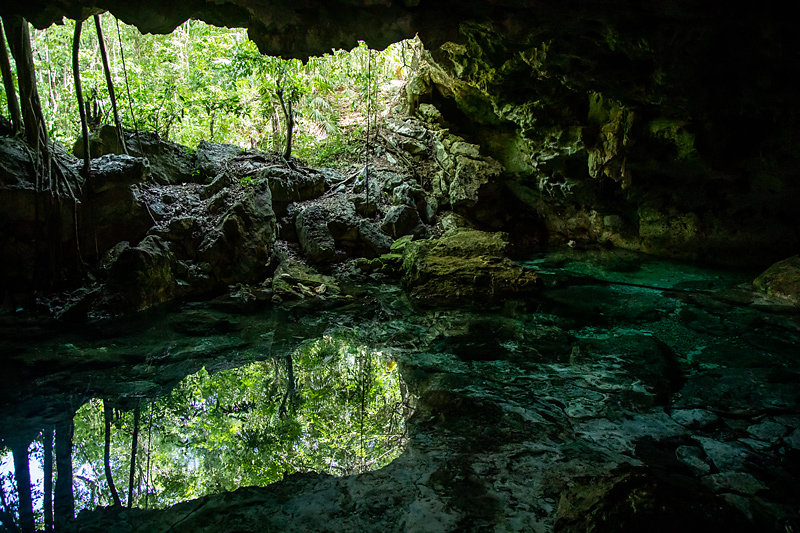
(669, 133)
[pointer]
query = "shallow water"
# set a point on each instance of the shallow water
(613, 336)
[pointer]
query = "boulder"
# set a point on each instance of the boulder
(213, 159)
(170, 163)
(289, 185)
(373, 241)
(295, 281)
(144, 274)
(400, 220)
(114, 211)
(781, 280)
(238, 245)
(315, 238)
(464, 266)
(102, 141)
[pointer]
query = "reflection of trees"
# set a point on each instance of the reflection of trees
(330, 406)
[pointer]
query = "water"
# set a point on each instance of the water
(231, 397)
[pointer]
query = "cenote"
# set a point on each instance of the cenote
(398, 266)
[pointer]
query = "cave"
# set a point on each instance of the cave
(543, 276)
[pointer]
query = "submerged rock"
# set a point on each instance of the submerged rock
(464, 266)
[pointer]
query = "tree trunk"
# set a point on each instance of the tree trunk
(22, 475)
(19, 41)
(47, 470)
(289, 116)
(109, 82)
(76, 74)
(107, 455)
(134, 441)
(8, 83)
(64, 504)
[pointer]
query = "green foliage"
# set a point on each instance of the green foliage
(207, 83)
(342, 413)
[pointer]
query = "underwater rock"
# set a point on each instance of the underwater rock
(464, 266)
(781, 280)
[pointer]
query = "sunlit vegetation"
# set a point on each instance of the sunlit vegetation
(331, 406)
(207, 83)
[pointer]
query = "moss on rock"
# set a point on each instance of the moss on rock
(464, 265)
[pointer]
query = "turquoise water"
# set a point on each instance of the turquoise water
(220, 407)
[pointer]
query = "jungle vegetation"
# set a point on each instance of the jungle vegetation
(207, 83)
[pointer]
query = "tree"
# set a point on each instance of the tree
(134, 441)
(22, 475)
(64, 504)
(19, 41)
(109, 82)
(8, 84)
(107, 413)
(47, 470)
(76, 74)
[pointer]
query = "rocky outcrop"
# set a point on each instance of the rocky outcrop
(144, 275)
(781, 280)
(315, 238)
(170, 163)
(464, 266)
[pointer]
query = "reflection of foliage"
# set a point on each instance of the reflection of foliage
(342, 413)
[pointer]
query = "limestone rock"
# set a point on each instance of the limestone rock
(102, 141)
(291, 186)
(464, 266)
(213, 158)
(293, 280)
(170, 162)
(781, 280)
(314, 236)
(238, 246)
(144, 274)
(400, 220)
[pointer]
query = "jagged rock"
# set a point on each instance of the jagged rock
(214, 159)
(781, 280)
(400, 220)
(365, 207)
(112, 206)
(102, 141)
(313, 234)
(373, 240)
(217, 184)
(293, 280)
(289, 186)
(464, 266)
(16, 167)
(170, 163)
(237, 248)
(144, 274)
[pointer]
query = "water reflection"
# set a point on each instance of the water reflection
(331, 406)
